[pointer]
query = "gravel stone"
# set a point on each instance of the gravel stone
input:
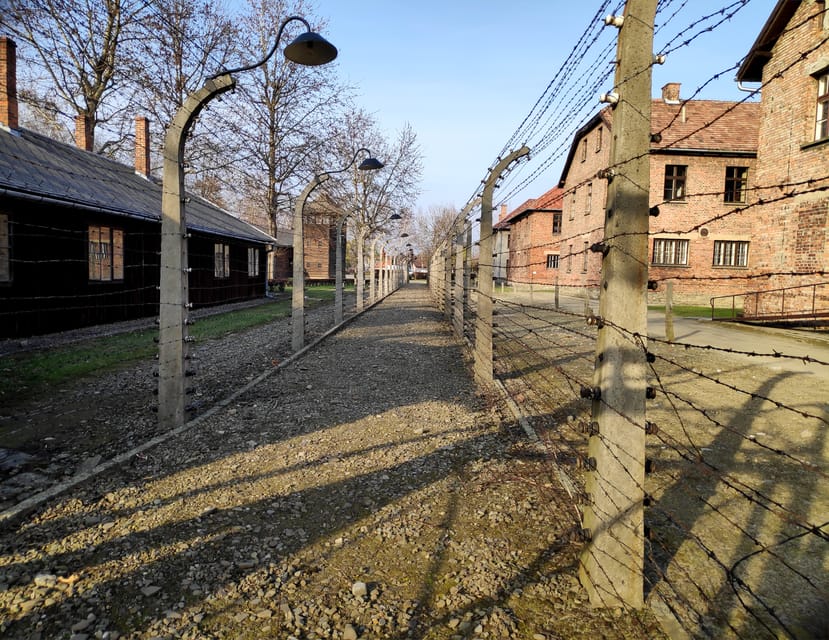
(367, 490)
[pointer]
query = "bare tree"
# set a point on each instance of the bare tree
(372, 198)
(430, 228)
(284, 117)
(74, 53)
(181, 43)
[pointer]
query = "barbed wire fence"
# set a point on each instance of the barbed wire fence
(733, 491)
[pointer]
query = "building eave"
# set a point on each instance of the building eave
(751, 70)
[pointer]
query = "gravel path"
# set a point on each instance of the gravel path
(366, 490)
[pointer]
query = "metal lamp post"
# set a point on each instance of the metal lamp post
(298, 285)
(308, 49)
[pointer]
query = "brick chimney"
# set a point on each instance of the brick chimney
(503, 213)
(8, 83)
(83, 132)
(142, 146)
(670, 93)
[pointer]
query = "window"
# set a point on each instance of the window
(5, 252)
(589, 199)
(585, 253)
(670, 251)
(736, 181)
(253, 262)
(573, 203)
(221, 260)
(106, 254)
(675, 175)
(730, 253)
(822, 118)
(552, 260)
(556, 223)
(569, 258)
(599, 134)
(584, 149)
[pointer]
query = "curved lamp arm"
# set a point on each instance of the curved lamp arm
(309, 48)
(369, 164)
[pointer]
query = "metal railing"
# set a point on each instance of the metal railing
(806, 304)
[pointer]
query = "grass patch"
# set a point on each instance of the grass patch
(686, 311)
(23, 375)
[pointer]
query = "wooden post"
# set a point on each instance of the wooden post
(612, 563)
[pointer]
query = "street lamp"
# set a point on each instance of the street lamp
(308, 49)
(298, 292)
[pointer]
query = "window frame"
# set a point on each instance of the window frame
(584, 149)
(253, 262)
(553, 260)
(5, 249)
(676, 182)
(105, 253)
(221, 261)
(736, 187)
(822, 106)
(677, 255)
(589, 203)
(736, 257)
(558, 219)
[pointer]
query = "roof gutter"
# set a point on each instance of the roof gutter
(72, 204)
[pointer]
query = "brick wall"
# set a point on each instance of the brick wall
(583, 206)
(791, 233)
(702, 218)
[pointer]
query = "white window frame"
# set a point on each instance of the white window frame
(730, 253)
(822, 106)
(670, 252)
(553, 260)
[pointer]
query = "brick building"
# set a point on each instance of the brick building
(320, 240)
(791, 58)
(702, 165)
(533, 228)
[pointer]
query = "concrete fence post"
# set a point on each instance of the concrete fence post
(483, 321)
(612, 563)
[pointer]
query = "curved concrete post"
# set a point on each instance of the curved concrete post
(298, 284)
(483, 324)
(173, 294)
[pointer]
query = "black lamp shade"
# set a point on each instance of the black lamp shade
(310, 49)
(370, 164)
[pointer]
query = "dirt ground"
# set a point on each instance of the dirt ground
(738, 513)
(376, 461)
(367, 490)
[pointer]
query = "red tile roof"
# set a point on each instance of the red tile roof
(550, 200)
(706, 125)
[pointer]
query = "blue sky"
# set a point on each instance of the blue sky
(465, 73)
